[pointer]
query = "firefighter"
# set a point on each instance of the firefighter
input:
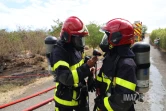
(116, 81)
(67, 61)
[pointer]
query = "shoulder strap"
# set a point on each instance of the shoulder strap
(61, 48)
(66, 52)
(115, 69)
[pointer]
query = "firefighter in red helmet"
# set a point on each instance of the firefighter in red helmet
(67, 61)
(117, 77)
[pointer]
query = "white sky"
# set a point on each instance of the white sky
(39, 14)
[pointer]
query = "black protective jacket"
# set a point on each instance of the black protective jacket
(117, 85)
(70, 69)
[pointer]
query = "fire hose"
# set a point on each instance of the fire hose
(23, 99)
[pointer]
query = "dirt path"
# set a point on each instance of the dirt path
(23, 91)
(157, 92)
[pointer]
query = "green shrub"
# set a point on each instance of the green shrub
(159, 33)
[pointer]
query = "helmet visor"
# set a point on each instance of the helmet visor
(104, 40)
(78, 42)
(104, 43)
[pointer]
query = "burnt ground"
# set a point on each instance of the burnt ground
(22, 70)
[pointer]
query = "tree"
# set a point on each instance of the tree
(144, 29)
(55, 31)
(95, 36)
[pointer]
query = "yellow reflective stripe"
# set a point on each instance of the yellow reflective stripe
(83, 55)
(56, 109)
(75, 77)
(99, 78)
(77, 65)
(56, 84)
(74, 94)
(75, 85)
(106, 80)
(98, 109)
(107, 105)
(59, 63)
(125, 83)
(74, 72)
(65, 102)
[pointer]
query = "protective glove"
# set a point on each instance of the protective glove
(91, 84)
(91, 81)
(99, 102)
(139, 97)
(100, 87)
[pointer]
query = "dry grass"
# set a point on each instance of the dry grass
(16, 43)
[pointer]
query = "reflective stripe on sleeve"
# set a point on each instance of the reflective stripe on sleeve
(107, 105)
(59, 63)
(75, 77)
(75, 73)
(99, 78)
(75, 66)
(125, 83)
(73, 69)
(65, 102)
(74, 94)
(106, 80)
(56, 109)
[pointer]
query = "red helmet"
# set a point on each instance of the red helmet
(73, 26)
(119, 32)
